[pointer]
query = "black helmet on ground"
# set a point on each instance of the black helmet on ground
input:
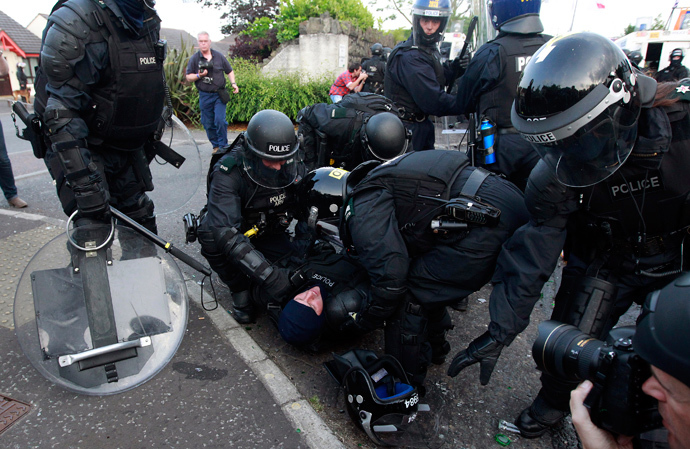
(270, 147)
(662, 329)
(378, 395)
(377, 49)
(384, 137)
(578, 101)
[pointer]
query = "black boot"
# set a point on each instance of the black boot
(539, 417)
(243, 307)
(462, 305)
(439, 348)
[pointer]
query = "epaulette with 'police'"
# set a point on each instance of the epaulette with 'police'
(682, 90)
(227, 164)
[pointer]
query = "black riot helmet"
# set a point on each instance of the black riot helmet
(379, 397)
(377, 49)
(322, 192)
(578, 101)
(386, 51)
(270, 142)
(430, 9)
(676, 56)
(661, 333)
(503, 11)
(635, 57)
(384, 137)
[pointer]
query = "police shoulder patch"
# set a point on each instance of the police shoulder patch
(227, 164)
(682, 91)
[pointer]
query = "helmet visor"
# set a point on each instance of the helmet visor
(595, 151)
(268, 173)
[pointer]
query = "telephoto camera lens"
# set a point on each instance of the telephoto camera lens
(564, 351)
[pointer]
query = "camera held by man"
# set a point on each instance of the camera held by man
(637, 378)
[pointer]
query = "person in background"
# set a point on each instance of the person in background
(351, 80)
(675, 70)
(207, 69)
(9, 189)
(415, 78)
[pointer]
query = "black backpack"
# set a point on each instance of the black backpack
(330, 133)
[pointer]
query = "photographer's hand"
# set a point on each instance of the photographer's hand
(591, 436)
(203, 73)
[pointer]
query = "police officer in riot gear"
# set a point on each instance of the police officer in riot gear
(613, 174)
(375, 67)
(103, 64)
(488, 86)
(421, 252)
(415, 78)
(250, 188)
(675, 70)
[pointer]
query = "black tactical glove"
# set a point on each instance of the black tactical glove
(484, 350)
(459, 65)
(93, 199)
(277, 286)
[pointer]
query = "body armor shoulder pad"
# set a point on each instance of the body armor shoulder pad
(78, 17)
(227, 164)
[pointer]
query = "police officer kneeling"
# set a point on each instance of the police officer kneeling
(428, 229)
(249, 188)
(661, 340)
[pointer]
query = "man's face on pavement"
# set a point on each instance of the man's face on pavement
(429, 25)
(674, 406)
(204, 43)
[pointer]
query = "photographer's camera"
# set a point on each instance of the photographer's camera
(617, 402)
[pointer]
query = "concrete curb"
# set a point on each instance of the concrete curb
(297, 409)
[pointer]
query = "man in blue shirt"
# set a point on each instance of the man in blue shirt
(206, 69)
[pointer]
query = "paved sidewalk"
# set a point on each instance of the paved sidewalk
(219, 390)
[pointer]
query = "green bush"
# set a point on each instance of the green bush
(286, 93)
(184, 96)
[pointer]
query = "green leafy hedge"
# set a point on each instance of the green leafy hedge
(286, 93)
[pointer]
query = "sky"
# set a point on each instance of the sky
(557, 15)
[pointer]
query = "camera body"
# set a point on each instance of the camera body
(205, 65)
(191, 227)
(617, 402)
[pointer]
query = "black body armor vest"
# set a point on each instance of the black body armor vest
(430, 176)
(661, 192)
(519, 48)
(397, 92)
(376, 69)
(129, 98)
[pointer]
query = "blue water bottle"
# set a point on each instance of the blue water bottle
(487, 131)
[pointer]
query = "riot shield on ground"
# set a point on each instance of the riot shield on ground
(103, 313)
(184, 179)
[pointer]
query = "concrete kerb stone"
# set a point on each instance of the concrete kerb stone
(298, 410)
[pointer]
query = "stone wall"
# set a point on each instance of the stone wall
(325, 47)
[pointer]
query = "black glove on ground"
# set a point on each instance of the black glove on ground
(483, 350)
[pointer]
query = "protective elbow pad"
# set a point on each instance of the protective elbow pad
(385, 300)
(237, 248)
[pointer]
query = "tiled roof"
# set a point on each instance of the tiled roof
(24, 38)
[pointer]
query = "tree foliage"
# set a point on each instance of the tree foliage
(241, 13)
